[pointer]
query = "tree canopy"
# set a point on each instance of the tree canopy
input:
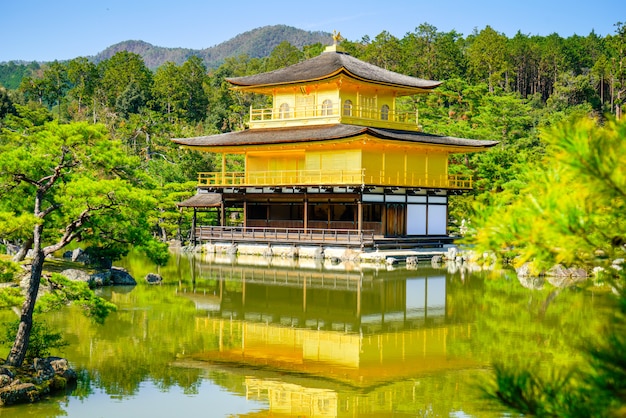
(66, 183)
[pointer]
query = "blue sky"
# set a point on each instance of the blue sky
(45, 30)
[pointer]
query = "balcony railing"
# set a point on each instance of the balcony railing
(331, 177)
(285, 235)
(335, 111)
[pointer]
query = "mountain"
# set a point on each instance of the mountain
(256, 43)
(152, 55)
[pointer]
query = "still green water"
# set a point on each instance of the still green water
(259, 337)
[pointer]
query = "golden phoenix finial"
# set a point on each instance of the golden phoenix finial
(337, 36)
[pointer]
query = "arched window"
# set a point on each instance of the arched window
(283, 111)
(384, 112)
(327, 108)
(347, 108)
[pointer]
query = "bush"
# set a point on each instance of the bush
(42, 339)
(8, 269)
(11, 296)
(65, 291)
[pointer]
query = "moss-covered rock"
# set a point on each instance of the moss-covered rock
(30, 383)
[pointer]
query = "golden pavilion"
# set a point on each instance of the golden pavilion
(334, 160)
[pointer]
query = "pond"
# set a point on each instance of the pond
(260, 337)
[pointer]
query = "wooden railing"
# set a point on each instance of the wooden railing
(331, 177)
(285, 235)
(334, 110)
(282, 178)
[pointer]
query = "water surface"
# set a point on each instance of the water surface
(259, 337)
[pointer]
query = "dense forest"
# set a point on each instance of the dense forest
(494, 87)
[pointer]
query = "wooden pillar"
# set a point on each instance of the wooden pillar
(245, 213)
(305, 221)
(359, 217)
(222, 213)
(193, 227)
(328, 214)
(383, 215)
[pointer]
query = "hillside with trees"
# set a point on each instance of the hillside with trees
(256, 43)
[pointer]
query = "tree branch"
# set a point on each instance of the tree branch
(71, 232)
(47, 182)
(22, 178)
(73, 229)
(47, 211)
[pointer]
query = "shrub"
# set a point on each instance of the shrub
(42, 338)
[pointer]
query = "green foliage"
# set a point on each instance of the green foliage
(12, 73)
(486, 55)
(523, 391)
(82, 75)
(10, 297)
(179, 91)
(6, 104)
(283, 55)
(42, 339)
(8, 270)
(27, 117)
(157, 252)
(172, 223)
(570, 212)
(125, 82)
(64, 291)
(95, 195)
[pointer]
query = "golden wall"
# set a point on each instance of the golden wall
(380, 165)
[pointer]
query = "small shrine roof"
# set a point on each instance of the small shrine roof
(202, 200)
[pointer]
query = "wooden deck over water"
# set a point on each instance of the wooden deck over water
(315, 237)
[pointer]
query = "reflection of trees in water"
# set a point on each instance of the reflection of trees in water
(510, 321)
(158, 326)
(138, 342)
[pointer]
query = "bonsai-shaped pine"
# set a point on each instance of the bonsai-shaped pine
(65, 183)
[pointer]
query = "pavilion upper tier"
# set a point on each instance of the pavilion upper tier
(334, 87)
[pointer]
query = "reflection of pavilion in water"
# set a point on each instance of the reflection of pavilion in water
(364, 329)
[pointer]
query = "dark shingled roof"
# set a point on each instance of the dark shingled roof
(251, 137)
(202, 200)
(329, 64)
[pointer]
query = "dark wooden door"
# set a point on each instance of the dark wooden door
(395, 220)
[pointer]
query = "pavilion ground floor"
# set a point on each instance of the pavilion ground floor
(356, 216)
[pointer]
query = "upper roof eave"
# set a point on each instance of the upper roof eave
(320, 133)
(329, 64)
(406, 90)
